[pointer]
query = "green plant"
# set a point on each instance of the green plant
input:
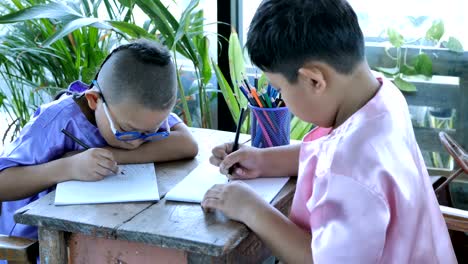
(62, 42)
(232, 94)
(422, 64)
(36, 62)
(18, 104)
(187, 37)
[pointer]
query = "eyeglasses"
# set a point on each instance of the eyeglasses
(131, 135)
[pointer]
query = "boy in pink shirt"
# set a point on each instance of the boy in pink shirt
(363, 193)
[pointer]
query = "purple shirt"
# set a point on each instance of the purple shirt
(41, 141)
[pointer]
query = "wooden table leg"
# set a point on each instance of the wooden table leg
(52, 247)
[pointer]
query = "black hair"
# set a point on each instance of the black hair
(143, 72)
(286, 34)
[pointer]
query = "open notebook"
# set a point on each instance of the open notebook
(134, 183)
(194, 186)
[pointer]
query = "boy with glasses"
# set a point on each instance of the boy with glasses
(124, 117)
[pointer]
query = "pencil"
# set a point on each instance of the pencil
(79, 142)
(235, 146)
(247, 95)
(264, 131)
(255, 96)
(267, 99)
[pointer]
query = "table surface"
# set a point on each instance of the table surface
(165, 224)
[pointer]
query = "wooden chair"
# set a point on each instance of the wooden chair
(18, 250)
(456, 219)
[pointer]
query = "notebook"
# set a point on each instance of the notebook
(134, 183)
(194, 186)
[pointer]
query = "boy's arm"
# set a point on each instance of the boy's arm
(20, 182)
(281, 161)
(179, 145)
(240, 202)
(288, 242)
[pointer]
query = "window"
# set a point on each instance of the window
(248, 11)
(376, 16)
(411, 18)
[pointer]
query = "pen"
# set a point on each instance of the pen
(235, 146)
(81, 143)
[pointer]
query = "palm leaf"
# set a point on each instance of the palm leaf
(299, 128)
(236, 65)
(226, 90)
(184, 23)
(74, 25)
(205, 57)
(52, 10)
(131, 29)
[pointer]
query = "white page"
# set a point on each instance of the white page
(194, 186)
(134, 183)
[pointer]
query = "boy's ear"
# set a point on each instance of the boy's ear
(92, 97)
(314, 77)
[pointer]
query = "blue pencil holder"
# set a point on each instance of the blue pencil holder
(269, 127)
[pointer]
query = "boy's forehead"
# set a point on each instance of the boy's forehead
(138, 117)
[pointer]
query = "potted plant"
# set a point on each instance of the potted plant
(59, 42)
(413, 66)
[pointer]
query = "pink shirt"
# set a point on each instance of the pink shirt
(364, 193)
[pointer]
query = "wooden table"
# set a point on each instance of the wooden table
(162, 232)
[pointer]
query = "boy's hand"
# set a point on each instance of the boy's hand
(236, 200)
(93, 165)
(246, 161)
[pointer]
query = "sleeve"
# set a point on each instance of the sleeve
(348, 222)
(172, 120)
(33, 146)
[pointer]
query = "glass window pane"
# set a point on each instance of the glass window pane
(376, 16)
(248, 10)
(442, 107)
(411, 18)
